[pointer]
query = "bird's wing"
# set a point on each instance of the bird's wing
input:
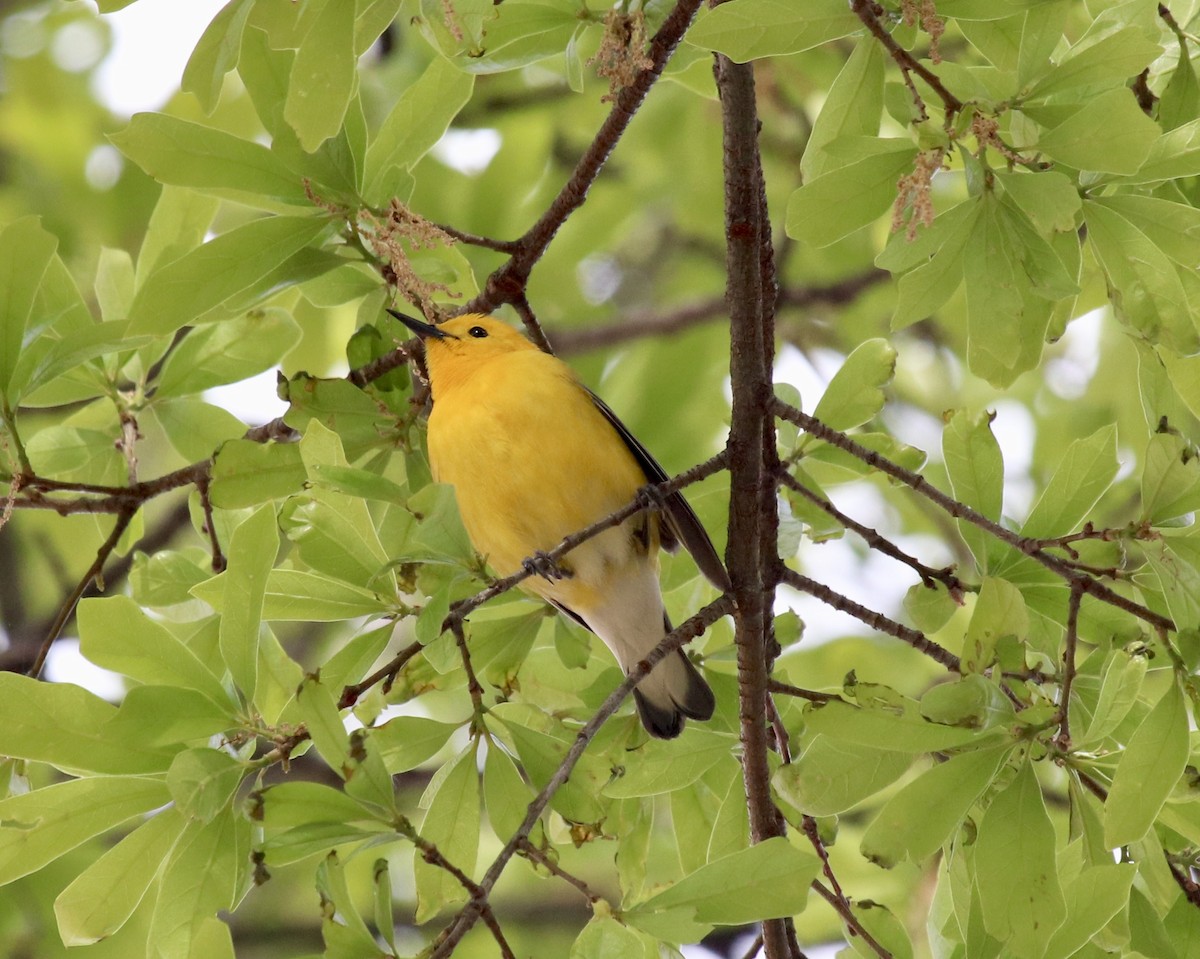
(682, 524)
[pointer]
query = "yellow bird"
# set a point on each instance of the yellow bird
(534, 456)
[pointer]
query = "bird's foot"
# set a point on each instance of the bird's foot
(651, 498)
(543, 564)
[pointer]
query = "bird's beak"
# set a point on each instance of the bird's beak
(421, 328)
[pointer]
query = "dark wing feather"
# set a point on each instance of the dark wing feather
(682, 524)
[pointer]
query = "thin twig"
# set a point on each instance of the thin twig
(529, 318)
(1068, 667)
(856, 928)
(874, 540)
(688, 630)
(507, 283)
(868, 11)
(526, 848)
(68, 606)
(787, 689)
(387, 673)
(473, 686)
(877, 621)
(218, 557)
(958, 510)
(648, 323)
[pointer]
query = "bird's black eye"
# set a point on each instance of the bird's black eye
(478, 332)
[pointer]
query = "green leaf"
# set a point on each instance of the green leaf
(766, 881)
(522, 33)
(999, 613)
(203, 782)
(335, 533)
(440, 533)
(1144, 287)
(855, 394)
(319, 713)
(362, 483)
(1175, 561)
(1173, 227)
(499, 647)
(929, 609)
(976, 470)
(852, 108)
(1050, 199)
(1109, 62)
(899, 730)
(101, 899)
(294, 596)
(1147, 770)
(924, 815)
(1012, 274)
(246, 473)
(229, 351)
(452, 825)
(195, 428)
(1016, 868)
(208, 871)
(1174, 154)
(663, 767)
(417, 121)
(1093, 897)
(252, 552)
(181, 153)
(178, 225)
(323, 75)
(505, 794)
(861, 191)
(116, 634)
(300, 818)
(341, 407)
(926, 288)
(1083, 475)
(542, 751)
(164, 579)
(1120, 683)
(751, 29)
(216, 53)
(1130, 135)
(25, 253)
(408, 741)
(605, 938)
(345, 933)
(176, 293)
(168, 716)
(1170, 479)
(64, 725)
(830, 776)
(42, 825)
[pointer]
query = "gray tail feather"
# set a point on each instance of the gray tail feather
(697, 702)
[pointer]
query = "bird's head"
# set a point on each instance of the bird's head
(456, 348)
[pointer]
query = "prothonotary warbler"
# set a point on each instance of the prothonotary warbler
(534, 456)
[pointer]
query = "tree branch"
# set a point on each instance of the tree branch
(916, 639)
(68, 606)
(753, 523)
(507, 283)
(868, 12)
(688, 630)
(874, 540)
(918, 483)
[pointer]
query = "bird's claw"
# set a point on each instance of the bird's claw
(651, 498)
(543, 564)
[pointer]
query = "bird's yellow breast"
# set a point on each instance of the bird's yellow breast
(530, 457)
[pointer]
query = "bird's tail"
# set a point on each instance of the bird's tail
(673, 690)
